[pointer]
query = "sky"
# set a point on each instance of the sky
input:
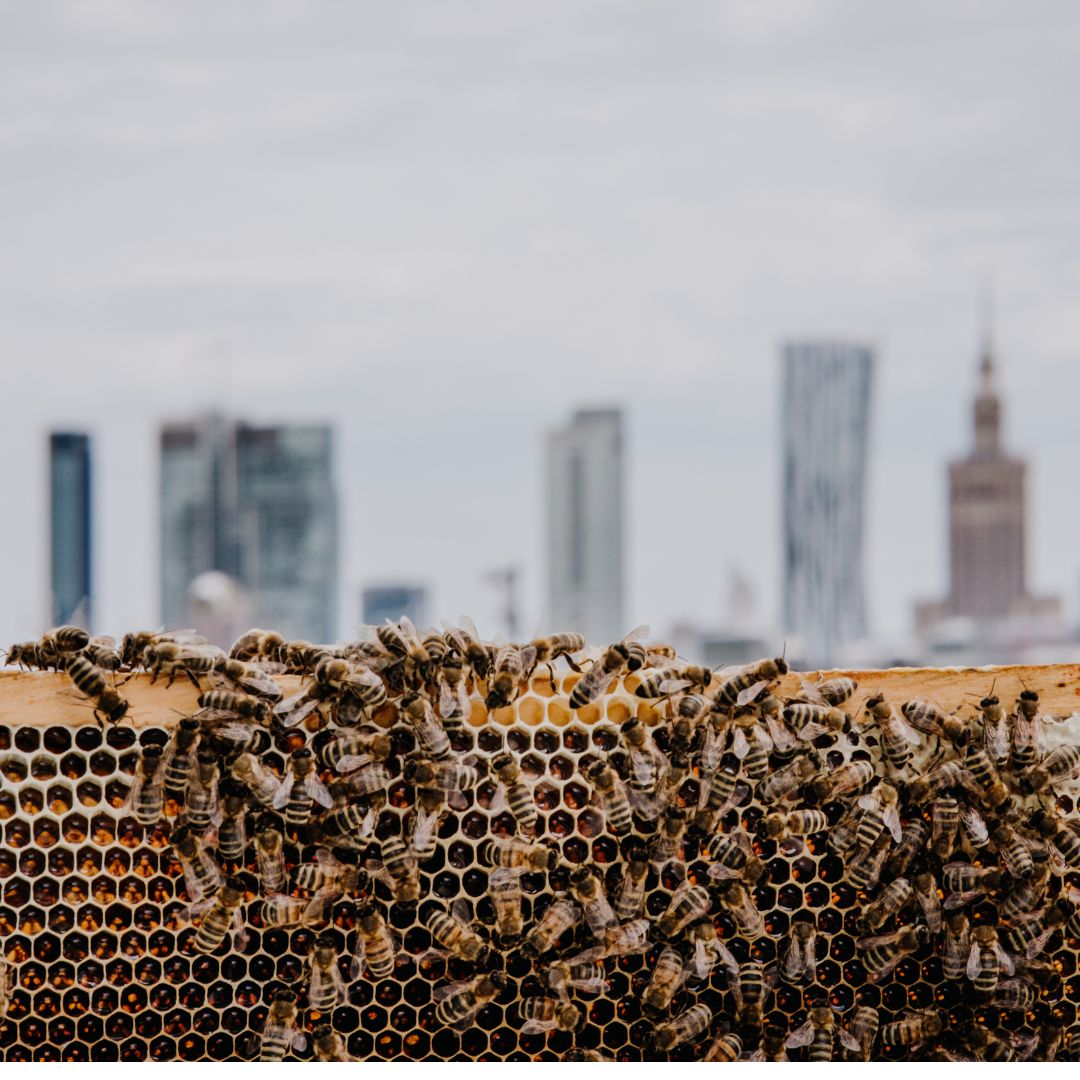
(443, 226)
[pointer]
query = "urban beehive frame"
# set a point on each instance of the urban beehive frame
(100, 952)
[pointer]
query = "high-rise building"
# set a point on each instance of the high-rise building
(987, 561)
(69, 528)
(392, 600)
(585, 525)
(257, 504)
(826, 406)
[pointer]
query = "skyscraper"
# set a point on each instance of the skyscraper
(585, 525)
(69, 528)
(826, 406)
(987, 563)
(391, 600)
(257, 504)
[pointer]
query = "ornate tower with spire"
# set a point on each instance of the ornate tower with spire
(987, 556)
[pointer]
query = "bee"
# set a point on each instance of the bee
(933, 720)
(580, 1055)
(733, 855)
(549, 1014)
(62, 641)
(897, 737)
(987, 960)
(256, 777)
(1061, 765)
(514, 854)
(326, 987)
(895, 895)
(1031, 934)
(880, 812)
(706, 950)
(561, 916)
(146, 798)
(727, 1046)
(376, 948)
(431, 737)
(246, 678)
(974, 827)
(720, 791)
(647, 763)
(914, 1027)
(883, 953)
(995, 795)
(944, 823)
(631, 895)
(686, 1027)
(453, 689)
(426, 815)
(548, 649)
(811, 721)
(467, 643)
(957, 945)
(987, 1045)
(667, 842)
(1014, 853)
(399, 866)
(270, 854)
(740, 685)
(91, 681)
(103, 653)
(402, 641)
(222, 913)
(820, 1032)
(849, 778)
(228, 703)
(517, 794)
(834, 692)
(864, 1026)
(507, 675)
(613, 797)
(369, 780)
(458, 1003)
(663, 681)
(751, 744)
(688, 902)
(612, 662)
(735, 899)
(1028, 737)
(1015, 995)
(300, 786)
(668, 974)
(328, 1045)
(800, 961)
(347, 826)
(281, 910)
(624, 940)
(864, 866)
(281, 1031)
(25, 655)
(773, 1045)
(966, 882)
(995, 727)
(231, 832)
(258, 645)
(1065, 841)
(453, 931)
(749, 992)
(232, 737)
(180, 759)
(587, 977)
(202, 877)
(925, 890)
(588, 892)
(785, 783)
(447, 776)
(352, 750)
(504, 887)
(361, 693)
(1026, 895)
(796, 823)
(944, 776)
(172, 659)
(329, 875)
(913, 837)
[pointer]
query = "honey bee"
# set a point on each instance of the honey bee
(202, 876)
(880, 812)
(258, 645)
(507, 675)
(1029, 935)
(102, 652)
(925, 891)
(944, 823)
(326, 987)
(613, 797)
(402, 641)
(400, 870)
(749, 993)
(733, 856)
(453, 688)
(883, 953)
(180, 759)
(727, 1046)
(229, 704)
(612, 662)
(933, 720)
(546, 650)
(172, 659)
(589, 893)
(561, 916)
(376, 948)
(668, 974)
(231, 830)
(897, 737)
(256, 777)
(994, 794)
(589, 978)
(426, 815)
(351, 751)
(687, 1026)
(914, 1027)
(995, 729)
(987, 960)
(735, 899)
(795, 824)
(631, 895)
(913, 837)
(851, 777)
(895, 895)
(515, 793)
(820, 1033)
(987, 1045)
(624, 940)
(467, 643)
(966, 883)
(864, 866)
(800, 961)
(504, 887)
(328, 1045)
(220, 913)
(663, 681)
(667, 842)
(812, 721)
(1028, 737)
(146, 798)
(281, 910)
(549, 1014)
(453, 931)
(688, 902)
(785, 783)
(328, 875)
(514, 854)
(458, 1003)
(91, 681)
(864, 1026)
(834, 692)
(270, 854)
(957, 945)
(300, 786)
(281, 1031)
(1061, 765)
(431, 736)
(246, 678)
(741, 685)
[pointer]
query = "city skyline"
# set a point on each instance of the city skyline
(441, 239)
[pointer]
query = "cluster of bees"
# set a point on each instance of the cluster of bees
(948, 826)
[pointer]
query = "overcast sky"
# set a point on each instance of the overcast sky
(443, 225)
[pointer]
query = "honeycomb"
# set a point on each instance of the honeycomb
(100, 951)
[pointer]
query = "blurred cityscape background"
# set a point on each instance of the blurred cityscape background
(756, 325)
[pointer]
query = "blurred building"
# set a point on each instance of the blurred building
(585, 525)
(258, 505)
(393, 600)
(69, 529)
(988, 599)
(825, 422)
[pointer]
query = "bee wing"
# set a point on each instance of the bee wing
(780, 734)
(881, 939)
(293, 710)
(960, 899)
(739, 745)
(534, 1027)
(461, 910)
(498, 801)
(284, 791)
(239, 931)
(299, 1039)
(801, 1036)
(351, 762)
(750, 692)
(903, 730)
(356, 968)
(448, 699)
(972, 968)
(318, 790)
(811, 692)
(441, 993)
(1035, 947)
(673, 686)
(848, 1040)
(997, 740)
(812, 730)
(637, 633)
(891, 818)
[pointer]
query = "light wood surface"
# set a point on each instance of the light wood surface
(44, 698)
